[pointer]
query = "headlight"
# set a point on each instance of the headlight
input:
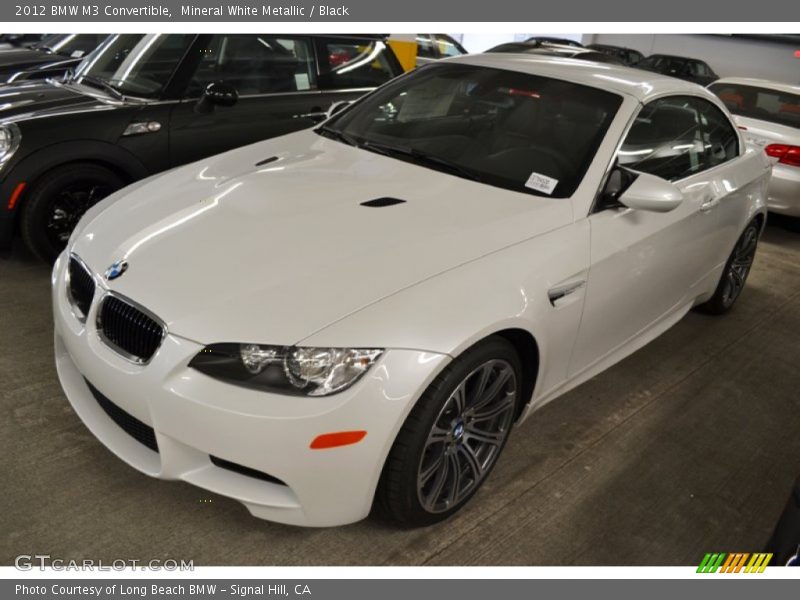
(9, 141)
(286, 369)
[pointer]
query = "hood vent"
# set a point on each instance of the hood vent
(266, 161)
(381, 202)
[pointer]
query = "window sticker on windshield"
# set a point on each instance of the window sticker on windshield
(77, 54)
(431, 100)
(541, 183)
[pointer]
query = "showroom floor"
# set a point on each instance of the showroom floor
(688, 446)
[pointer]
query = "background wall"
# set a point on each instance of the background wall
(728, 56)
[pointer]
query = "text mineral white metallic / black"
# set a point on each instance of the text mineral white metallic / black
(357, 315)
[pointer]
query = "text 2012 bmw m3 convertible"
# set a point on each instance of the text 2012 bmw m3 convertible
(357, 315)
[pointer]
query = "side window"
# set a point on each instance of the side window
(665, 140)
(719, 136)
(699, 69)
(425, 47)
(357, 63)
(447, 46)
(255, 64)
(678, 136)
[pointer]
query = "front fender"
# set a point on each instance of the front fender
(508, 289)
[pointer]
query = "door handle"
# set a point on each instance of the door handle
(708, 204)
(316, 114)
(556, 294)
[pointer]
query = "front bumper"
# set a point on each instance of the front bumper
(195, 417)
(784, 190)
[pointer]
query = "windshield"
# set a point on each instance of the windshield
(134, 64)
(512, 130)
(760, 103)
(71, 45)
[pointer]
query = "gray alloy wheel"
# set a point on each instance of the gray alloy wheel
(738, 266)
(735, 273)
(467, 436)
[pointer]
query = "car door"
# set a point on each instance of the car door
(275, 78)
(645, 267)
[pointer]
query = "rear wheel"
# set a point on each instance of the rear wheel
(451, 440)
(58, 200)
(735, 272)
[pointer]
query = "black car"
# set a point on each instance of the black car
(555, 40)
(141, 104)
(20, 40)
(548, 49)
(690, 69)
(629, 56)
(51, 57)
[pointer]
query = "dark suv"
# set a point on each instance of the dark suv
(140, 104)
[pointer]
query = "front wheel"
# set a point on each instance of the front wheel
(451, 440)
(735, 273)
(58, 200)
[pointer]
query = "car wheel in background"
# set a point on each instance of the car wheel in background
(453, 436)
(57, 201)
(735, 273)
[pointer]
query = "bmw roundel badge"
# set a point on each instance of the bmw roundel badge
(116, 269)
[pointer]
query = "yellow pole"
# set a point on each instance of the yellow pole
(404, 46)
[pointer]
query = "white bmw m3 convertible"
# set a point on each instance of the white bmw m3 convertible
(358, 315)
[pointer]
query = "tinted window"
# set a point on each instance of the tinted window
(256, 64)
(425, 47)
(677, 137)
(699, 69)
(512, 130)
(760, 103)
(447, 46)
(134, 64)
(355, 63)
(669, 65)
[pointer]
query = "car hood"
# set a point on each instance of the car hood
(228, 249)
(20, 101)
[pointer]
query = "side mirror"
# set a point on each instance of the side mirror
(651, 193)
(217, 93)
(337, 107)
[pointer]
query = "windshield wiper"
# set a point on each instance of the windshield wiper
(422, 158)
(103, 84)
(336, 134)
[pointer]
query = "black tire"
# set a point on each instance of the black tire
(734, 275)
(400, 490)
(57, 200)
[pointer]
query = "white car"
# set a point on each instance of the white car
(358, 314)
(768, 113)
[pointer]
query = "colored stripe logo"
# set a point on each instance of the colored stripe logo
(736, 562)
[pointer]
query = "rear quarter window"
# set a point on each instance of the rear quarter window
(355, 63)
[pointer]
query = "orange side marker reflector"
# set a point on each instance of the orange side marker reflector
(16, 194)
(340, 438)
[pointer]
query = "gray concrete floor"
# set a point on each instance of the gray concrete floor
(690, 445)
